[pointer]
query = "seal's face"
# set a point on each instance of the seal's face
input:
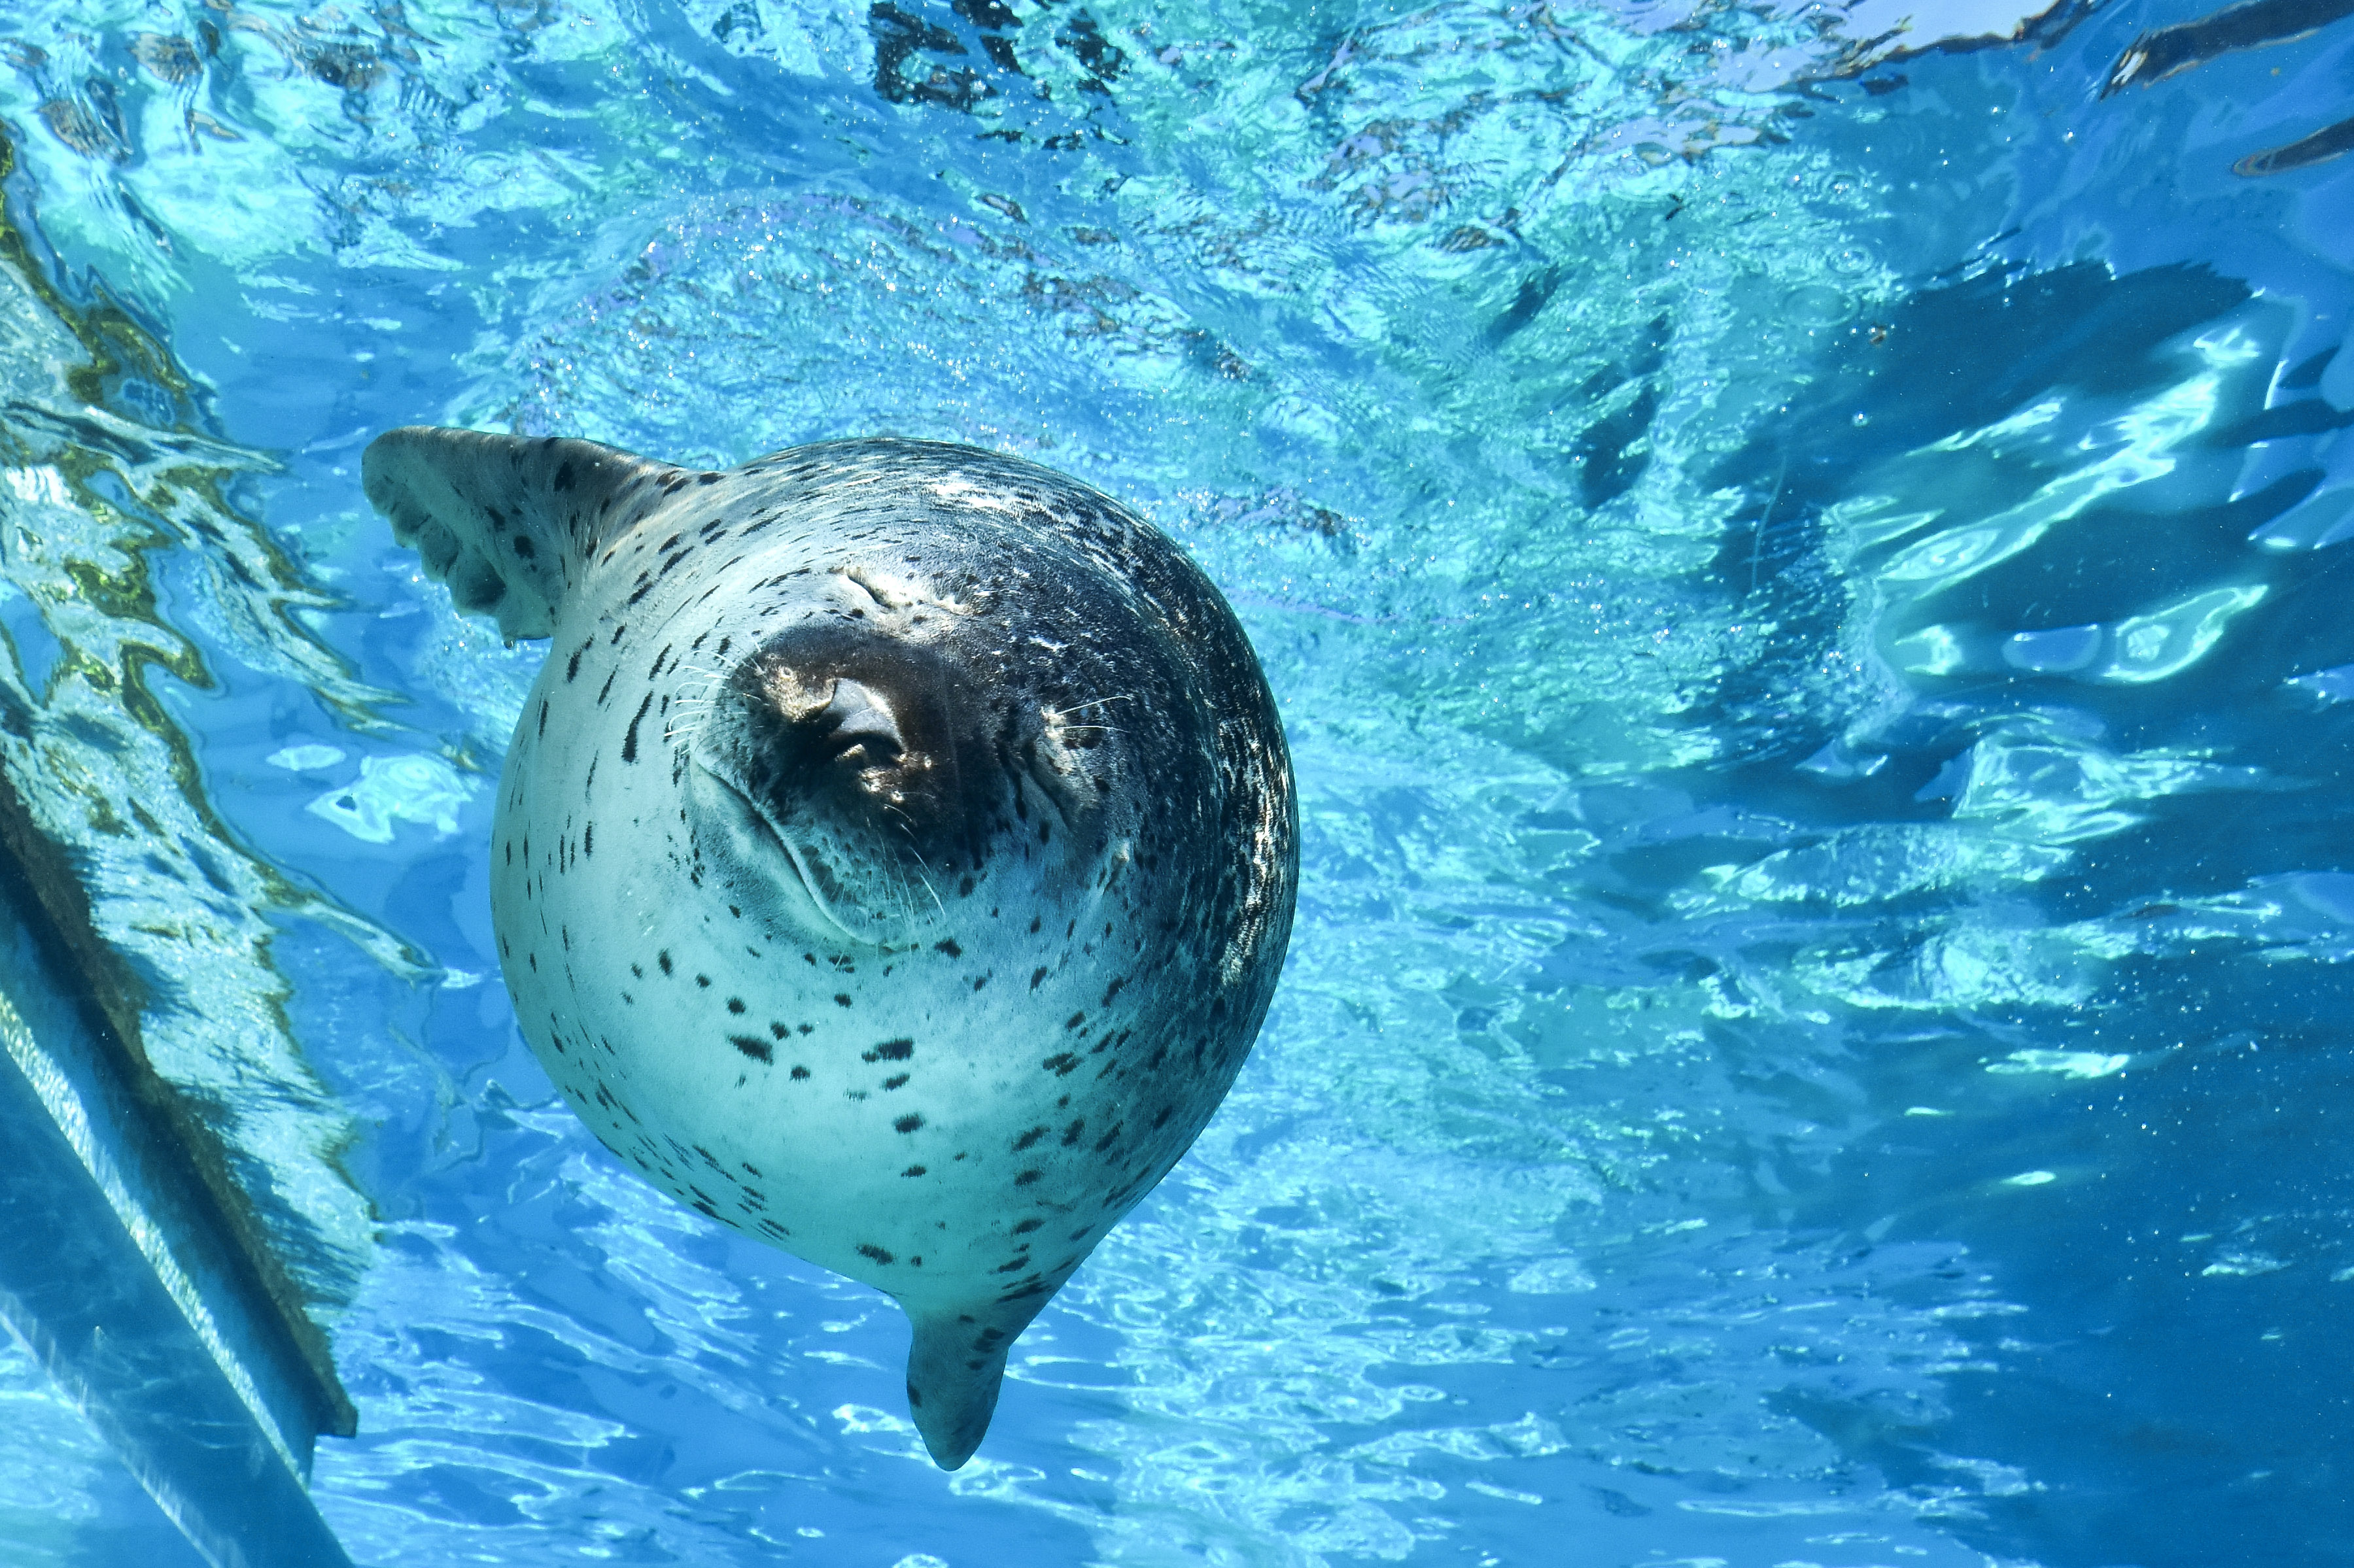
(862, 775)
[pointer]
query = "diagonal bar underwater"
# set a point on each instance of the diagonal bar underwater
(117, 1274)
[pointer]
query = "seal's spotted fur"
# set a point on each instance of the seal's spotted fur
(894, 857)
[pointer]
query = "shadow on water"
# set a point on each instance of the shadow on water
(2159, 1208)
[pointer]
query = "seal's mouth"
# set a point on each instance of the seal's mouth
(751, 826)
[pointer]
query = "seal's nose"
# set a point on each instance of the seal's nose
(863, 726)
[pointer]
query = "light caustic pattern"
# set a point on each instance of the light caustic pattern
(1752, 682)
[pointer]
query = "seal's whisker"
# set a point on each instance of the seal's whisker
(936, 898)
(924, 876)
(711, 677)
(1091, 702)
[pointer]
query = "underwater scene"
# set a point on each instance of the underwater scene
(1805, 560)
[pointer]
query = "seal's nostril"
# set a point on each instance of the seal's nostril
(862, 723)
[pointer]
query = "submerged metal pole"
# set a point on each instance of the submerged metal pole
(119, 1270)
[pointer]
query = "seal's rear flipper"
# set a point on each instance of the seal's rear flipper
(954, 1367)
(508, 521)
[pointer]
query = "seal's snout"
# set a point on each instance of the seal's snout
(849, 732)
(846, 761)
(855, 742)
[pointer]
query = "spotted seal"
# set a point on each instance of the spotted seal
(894, 859)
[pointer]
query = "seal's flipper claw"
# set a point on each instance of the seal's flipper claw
(509, 521)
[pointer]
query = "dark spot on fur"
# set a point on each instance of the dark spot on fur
(1029, 1138)
(801, 1072)
(1037, 978)
(1026, 1226)
(752, 1046)
(734, 1004)
(1027, 1177)
(913, 1171)
(841, 999)
(892, 1051)
(909, 1122)
(949, 948)
(1063, 1064)
(868, 1249)
(629, 740)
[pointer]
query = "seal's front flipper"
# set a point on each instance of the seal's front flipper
(508, 521)
(954, 1367)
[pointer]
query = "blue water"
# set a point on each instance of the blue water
(1806, 580)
